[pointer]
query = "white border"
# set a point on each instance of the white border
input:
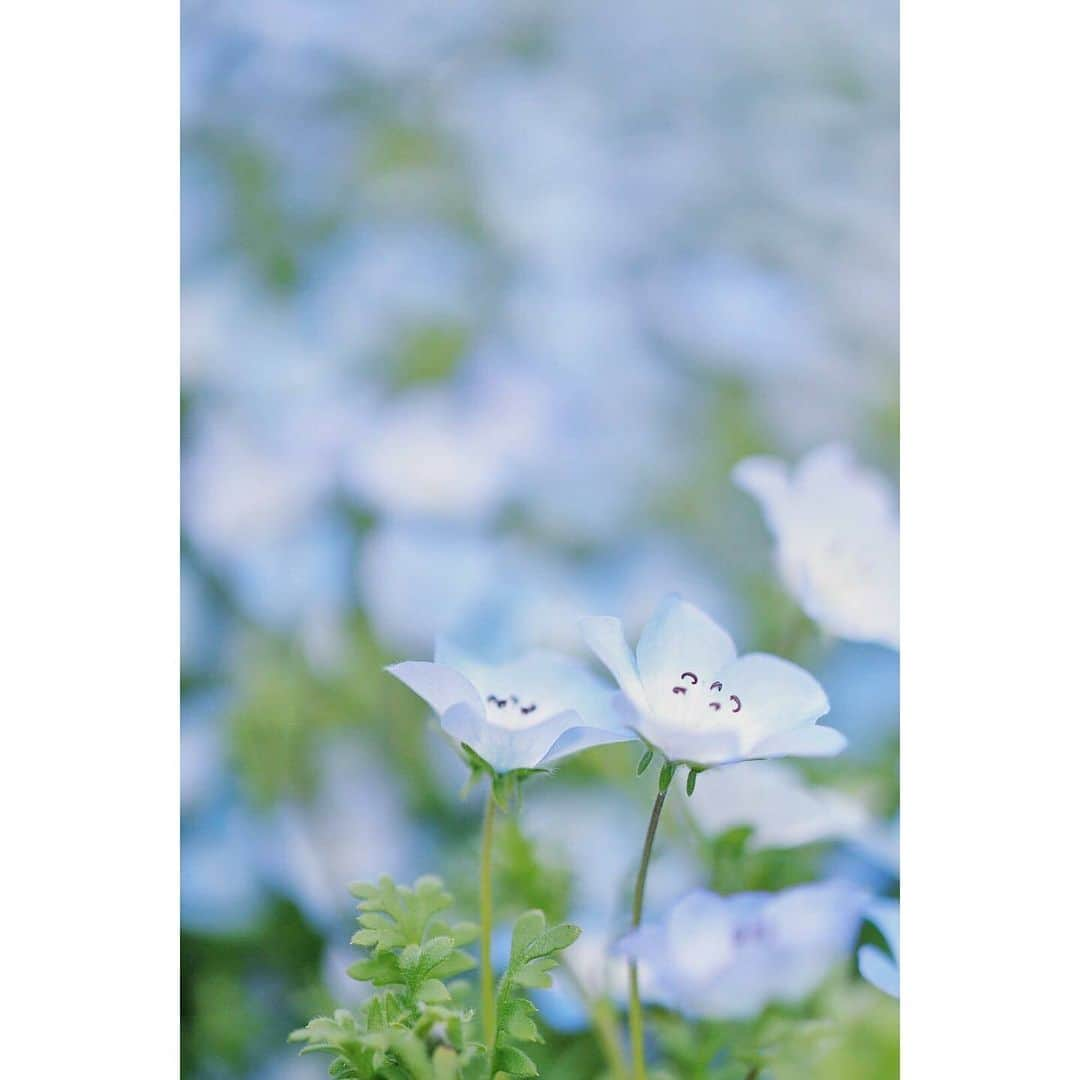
(89, 106)
(989, 539)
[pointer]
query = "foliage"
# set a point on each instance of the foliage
(415, 1028)
(418, 1028)
(532, 957)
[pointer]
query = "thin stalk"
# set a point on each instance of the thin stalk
(607, 1030)
(605, 1024)
(487, 974)
(637, 1023)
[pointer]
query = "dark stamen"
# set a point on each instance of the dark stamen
(689, 675)
(678, 689)
(716, 686)
(714, 705)
(738, 703)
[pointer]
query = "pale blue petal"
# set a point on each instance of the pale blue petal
(680, 638)
(813, 740)
(605, 636)
(885, 915)
(490, 742)
(766, 479)
(773, 695)
(876, 968)
(578, 738)
(556, 682)
(440, 686)
(694, 747)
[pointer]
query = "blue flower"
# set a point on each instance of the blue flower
(519, 715)
(877, 968)
(772, 798)
(687, 695)
(727, 957)
(837, 539)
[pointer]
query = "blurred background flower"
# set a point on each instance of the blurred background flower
(482, 303)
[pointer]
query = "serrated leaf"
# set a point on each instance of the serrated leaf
(464, 933)
(534, 975)
(523, 1028)
(382, 969)
(527, 928)
(456, 963)
(433, 992)
(553, 940)
(516, 1062)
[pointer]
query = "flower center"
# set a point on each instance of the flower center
(695, 705)
(752, 933)
(511, 711)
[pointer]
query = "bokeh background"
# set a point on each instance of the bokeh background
(481, 303)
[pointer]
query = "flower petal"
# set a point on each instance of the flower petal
(876, 968)
(771, 695)
(680, 638)
(693, 747)
(766, 479)
(462, 723)
(813, 740)
(885, 915)
(604, 634)
(578, 738)
(440, 686)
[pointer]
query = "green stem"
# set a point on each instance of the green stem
(637, 1023)
(487, 974)
(607, 1029)
(605, 1024)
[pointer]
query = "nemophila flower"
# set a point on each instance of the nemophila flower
(687, 694)
(837, 539)
(519, 715)
(781, 808)
(877, 968)
(727, 957)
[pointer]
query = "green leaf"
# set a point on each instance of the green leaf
(532, 957)
(515, 1062)
(412, 950)
(645, 762)
(534, 975)
(519, 1021)
(553, 940)
(527, 928)
(455, 963)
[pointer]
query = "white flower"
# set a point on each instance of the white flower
(776, 802)
(837, 539)
(727, 957)
(686, 694)
(520, 715)
(874, 965)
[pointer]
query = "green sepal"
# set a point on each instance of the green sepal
(691, 780)
(667, 774)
